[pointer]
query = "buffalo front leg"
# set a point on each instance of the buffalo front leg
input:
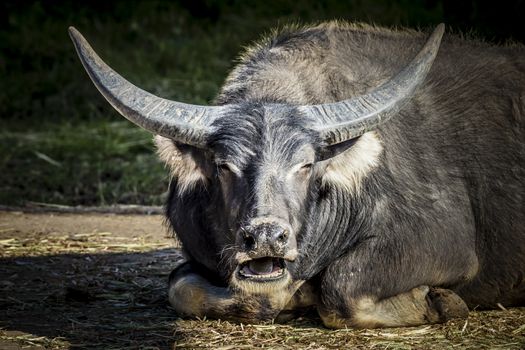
(192, 295)
(421, 305)
(390, 280)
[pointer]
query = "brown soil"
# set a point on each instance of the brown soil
(132, 226)
(84, 281)
(77, 281)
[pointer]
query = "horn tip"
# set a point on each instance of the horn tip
(72, 30)
(74, 34)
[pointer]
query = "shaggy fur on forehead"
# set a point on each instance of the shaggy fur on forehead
(346, 171)
(256, 130)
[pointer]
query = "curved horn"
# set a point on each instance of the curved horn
(185, 123)
(341, 121)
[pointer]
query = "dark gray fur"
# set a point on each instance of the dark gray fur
(446, 200)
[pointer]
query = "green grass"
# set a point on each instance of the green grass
(61, 142)
(82, 162)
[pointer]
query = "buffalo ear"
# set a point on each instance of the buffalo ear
(335, 149)
(189, 165)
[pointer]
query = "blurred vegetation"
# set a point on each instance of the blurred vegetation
(61, 142)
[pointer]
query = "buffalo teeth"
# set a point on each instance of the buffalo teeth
(266, 268)
(273, 274)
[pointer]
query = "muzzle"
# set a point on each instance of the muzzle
(264, 249)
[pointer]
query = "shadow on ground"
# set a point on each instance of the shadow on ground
(107, 300)
(96, 281)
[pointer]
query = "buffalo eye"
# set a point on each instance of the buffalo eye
(305, 169)
(223, 168)
(226, 168)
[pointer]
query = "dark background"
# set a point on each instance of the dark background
(61, 143)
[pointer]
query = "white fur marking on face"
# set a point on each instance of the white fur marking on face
(182, 166)
(348, 169)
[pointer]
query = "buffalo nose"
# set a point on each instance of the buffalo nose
(280, 235)
(263, 236)
(250, 243)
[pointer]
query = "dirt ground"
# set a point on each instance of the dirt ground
(98, 281)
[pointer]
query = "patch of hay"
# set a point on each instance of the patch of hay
(101, 290)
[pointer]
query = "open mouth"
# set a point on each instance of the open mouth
(262, 269)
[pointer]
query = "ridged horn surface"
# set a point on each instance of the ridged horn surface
(344, 120)
(184, 123)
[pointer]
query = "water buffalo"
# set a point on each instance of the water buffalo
(364, 172)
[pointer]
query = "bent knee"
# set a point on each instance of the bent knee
(187, 296)
(191, 295)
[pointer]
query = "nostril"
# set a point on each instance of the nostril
(282, 236)
(249, 242)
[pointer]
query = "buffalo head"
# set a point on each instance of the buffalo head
(260, 162)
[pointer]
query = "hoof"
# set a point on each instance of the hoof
(448, 304)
